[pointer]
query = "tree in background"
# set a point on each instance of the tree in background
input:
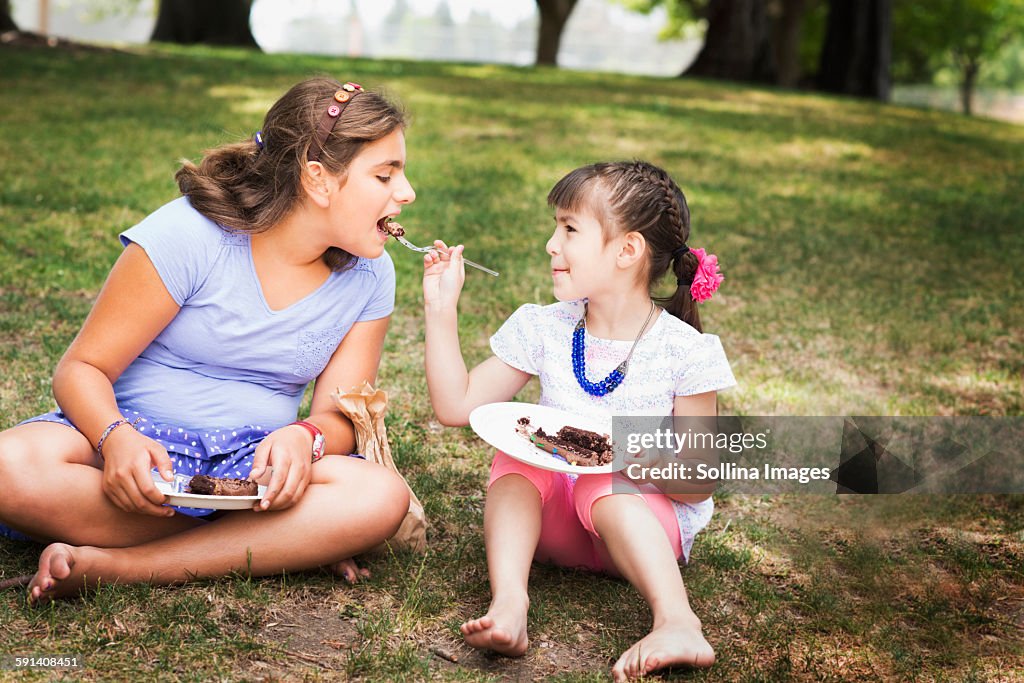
(737, 44)
(224, 22)
(857, 52)
(553, 16)
(964, 34)
(744, 40)
(6, 20)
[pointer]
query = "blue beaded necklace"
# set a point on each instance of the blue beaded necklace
(579, 363)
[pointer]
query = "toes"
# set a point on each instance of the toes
(36, 596)
(60, 566)
(501, 637)
(632, 664)
(618, 672)
(472, 626)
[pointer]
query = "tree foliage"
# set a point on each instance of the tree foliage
(682, 14)
(744, 40)
(965, 36)
(962, 34)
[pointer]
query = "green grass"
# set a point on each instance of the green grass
(872, 260)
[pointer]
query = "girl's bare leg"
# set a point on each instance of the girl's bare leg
(643, 555)
(512, 519)
(349, 506)
(51, 482)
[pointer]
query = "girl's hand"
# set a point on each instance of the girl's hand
(289, 451)
(128, 458)
(443, 275)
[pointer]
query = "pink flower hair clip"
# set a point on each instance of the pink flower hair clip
(707, 279)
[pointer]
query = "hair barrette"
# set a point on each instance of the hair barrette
(330, 117)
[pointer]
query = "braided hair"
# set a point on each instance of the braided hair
(636, 196)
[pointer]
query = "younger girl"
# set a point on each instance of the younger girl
(619, 227)
(268, 273)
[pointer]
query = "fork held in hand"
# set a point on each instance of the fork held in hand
(425, 250)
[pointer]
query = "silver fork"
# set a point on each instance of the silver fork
(424, 250)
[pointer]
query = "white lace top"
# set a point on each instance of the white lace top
(672, 359)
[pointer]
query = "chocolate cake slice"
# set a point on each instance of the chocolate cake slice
(218, 486)
(576, 446)
(392, 228)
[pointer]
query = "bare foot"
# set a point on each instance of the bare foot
(668, 644)
(61, 573)
(350, 571)
(502, 629)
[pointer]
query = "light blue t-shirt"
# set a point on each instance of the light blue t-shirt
(227, 359)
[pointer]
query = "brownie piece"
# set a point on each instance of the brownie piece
(218, 486)
(576, 446)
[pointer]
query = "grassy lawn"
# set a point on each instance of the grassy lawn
(872, 257)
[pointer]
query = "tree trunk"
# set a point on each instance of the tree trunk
(6, 20)
(857, 52)
(969, 71)
(553, 16)
(786, 39)
(224, 22)
(737, 46)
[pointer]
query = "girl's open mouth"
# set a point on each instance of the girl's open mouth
(389, 228)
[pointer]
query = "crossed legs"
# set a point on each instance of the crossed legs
(51, 482)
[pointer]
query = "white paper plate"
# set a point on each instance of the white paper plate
(176, 492)
(496, 423)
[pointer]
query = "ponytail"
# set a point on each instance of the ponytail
(681, 303)
(226, 187)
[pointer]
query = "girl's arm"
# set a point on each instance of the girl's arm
(454, 392)
(696, 405)
(131, 310)
(289, 449)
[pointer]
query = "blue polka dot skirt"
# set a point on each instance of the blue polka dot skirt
(213, 452)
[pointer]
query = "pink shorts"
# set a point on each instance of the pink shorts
(567, 536)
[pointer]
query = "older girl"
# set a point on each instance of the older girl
(268, 273)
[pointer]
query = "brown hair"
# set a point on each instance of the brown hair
(635, 196)
(248, 189)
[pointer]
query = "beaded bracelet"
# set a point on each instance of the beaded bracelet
(110, 428)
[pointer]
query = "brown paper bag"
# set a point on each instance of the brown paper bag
(366, 406)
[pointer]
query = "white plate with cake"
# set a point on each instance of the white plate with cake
(217, 493)
(545, 437)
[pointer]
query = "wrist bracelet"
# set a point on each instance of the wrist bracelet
(318, 438)
(110, 428)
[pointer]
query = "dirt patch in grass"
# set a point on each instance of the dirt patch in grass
(547, 658)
